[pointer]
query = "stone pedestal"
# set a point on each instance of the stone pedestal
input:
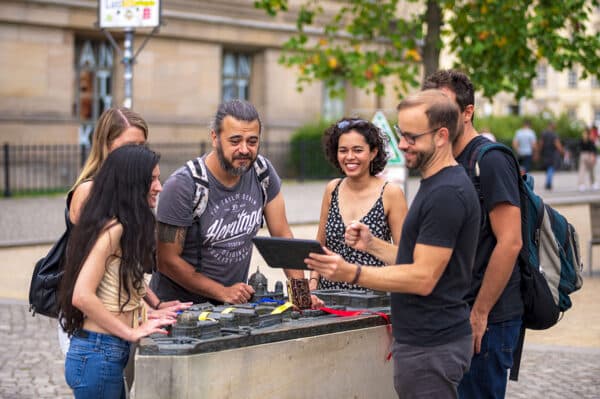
(346, 364)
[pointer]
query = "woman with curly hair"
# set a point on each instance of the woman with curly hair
(102, 290)
(358, 149)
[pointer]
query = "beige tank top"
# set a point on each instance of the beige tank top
(108, 292)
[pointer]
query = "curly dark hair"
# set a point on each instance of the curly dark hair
(372, 134)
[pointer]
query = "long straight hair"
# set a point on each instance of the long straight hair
(119, 195)
(110, 125)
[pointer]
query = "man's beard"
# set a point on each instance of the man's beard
(228, 166)
(421, 160)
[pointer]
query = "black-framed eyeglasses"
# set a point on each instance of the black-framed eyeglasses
(411, 138)
(349, 124)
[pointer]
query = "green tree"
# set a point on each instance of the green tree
(498, 43)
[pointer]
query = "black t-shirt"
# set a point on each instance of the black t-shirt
(444, 213)
(498, 184)
(549, 151)
(587, 146)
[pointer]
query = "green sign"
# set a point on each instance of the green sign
(395, 155)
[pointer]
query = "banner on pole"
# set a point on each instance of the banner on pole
(128, 14)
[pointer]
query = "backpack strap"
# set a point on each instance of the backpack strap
(474, 170)
(261, 167)
(198, 171)
(262, 172)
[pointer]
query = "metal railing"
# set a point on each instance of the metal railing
(41, 169)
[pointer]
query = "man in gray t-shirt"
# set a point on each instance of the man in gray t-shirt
(231, 219)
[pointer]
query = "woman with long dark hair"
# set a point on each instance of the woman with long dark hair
(116, 126)
(102, 290)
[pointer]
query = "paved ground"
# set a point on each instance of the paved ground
(31, 365)
(27, 221)
(563, 362)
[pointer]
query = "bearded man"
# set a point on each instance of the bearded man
(206, 257)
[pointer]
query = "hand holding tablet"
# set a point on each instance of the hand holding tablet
(286, 253)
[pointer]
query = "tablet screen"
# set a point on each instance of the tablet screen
(287, 253)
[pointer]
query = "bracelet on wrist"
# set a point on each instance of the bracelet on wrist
(357, 275)
(158, 305)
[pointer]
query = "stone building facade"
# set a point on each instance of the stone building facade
(557, 91)
(58, 71)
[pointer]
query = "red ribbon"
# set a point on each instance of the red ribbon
(346, 313)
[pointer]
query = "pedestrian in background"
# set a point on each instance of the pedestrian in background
(357, 148)
(587, 161)
(102, 290)
(524, 144)
(550, 152)
(487, 133)
(594, 134)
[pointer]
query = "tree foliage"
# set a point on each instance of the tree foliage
(498, 43)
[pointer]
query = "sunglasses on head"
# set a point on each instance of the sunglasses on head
(349, 124)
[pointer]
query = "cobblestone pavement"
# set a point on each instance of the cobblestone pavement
(554, 372)
(31, 365)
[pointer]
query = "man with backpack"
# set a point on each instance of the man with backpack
(495, 296)
(210, 210)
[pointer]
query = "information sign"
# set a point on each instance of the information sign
(128, 14)
(395, 170)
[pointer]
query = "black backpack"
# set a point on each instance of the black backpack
(47, 274)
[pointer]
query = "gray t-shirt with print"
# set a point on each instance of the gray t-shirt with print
(232, 218)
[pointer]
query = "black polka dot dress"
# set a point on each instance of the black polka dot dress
(334, 237)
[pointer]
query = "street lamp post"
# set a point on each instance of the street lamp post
(128, 60)
(128, 16)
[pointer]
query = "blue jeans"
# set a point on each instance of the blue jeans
(549, 176)
(488, 374)
(94, 365)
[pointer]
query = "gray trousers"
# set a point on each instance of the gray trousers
(431, 371)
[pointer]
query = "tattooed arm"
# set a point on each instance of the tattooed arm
(170, 263)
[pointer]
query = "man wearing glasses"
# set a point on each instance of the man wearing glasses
(495, 296)
(431, 268)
